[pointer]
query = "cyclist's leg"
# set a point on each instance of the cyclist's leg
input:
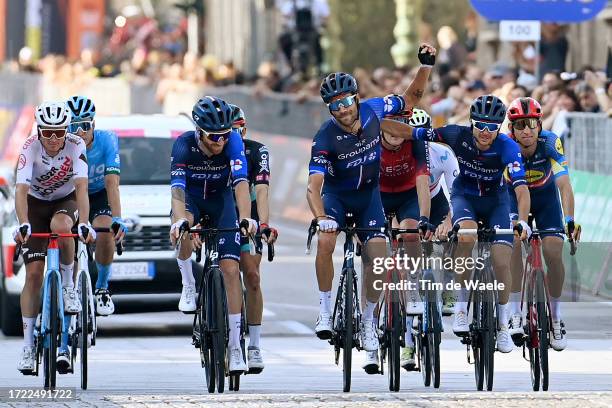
(408, 215)
(100, 216)
(187, 303)
(326, 243)
(516, 269)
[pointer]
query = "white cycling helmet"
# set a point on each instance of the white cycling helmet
(53, 115)
(420, 119)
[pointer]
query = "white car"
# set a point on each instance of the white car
(148, 265)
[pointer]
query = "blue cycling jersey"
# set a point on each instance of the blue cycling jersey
(349, 161)
(546, 164)
(480, 171)
(102, 158)
(202, 176)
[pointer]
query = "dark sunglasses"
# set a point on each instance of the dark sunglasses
(342, 103)
(85, 126)
(215, 136)
(520, 124)
(482, 126)
(49, 133)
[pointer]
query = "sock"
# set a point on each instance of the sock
(368, 310)
(103, 276)
(66, 272)
(64, 343)
(503, 313)
(515, 303)
(186, 273)
(234, 331)
(254, 333)
(409, 339)
(325, 302)
(555, 306)
(28, 330)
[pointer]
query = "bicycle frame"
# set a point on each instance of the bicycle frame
(83, 264)
(52, 272)
(533, 264)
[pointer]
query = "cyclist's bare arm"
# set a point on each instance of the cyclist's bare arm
(21, 203)
(396, 129)
(567, 195)
(423, 195)
(243, 199)
(313, 195)
(82, 198)
(524, 201)
(263, 203)
(111, 183)
(413, 94)
(178, 203)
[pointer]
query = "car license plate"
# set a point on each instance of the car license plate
(132, 271)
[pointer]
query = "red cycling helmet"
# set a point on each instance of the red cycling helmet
(524, 108)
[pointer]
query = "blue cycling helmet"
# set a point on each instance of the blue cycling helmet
(82, 108)
(212, 114)
(338, 83)
(488, 108)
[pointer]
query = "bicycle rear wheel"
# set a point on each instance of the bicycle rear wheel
(347, 320)
(218, 305)
(83, 322)
(50, 352)
(394, 334)
(543, 329)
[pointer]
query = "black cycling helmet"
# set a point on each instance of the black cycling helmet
(238, 118)
(212, 114)
(488, 108)
(337, 83)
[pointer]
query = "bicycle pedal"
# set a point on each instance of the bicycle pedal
(189, 313)
(254, 371)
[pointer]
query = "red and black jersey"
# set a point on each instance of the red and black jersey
(400, 168)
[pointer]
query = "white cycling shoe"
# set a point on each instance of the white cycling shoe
(370, 365)
(558, 341)
(27, 360)
(236, 361)
(256, 364)
(187, 304)
(369, 336)
(104, 303)
(72, 305)
(516, 328)
(63, 361)
(460, 324)
(504, 341)
(323, 328)
(414, 305)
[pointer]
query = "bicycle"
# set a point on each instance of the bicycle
(50, 321)
(482, 333)
(210, 323)
(257, 247)
(535, 297)
(347, 313)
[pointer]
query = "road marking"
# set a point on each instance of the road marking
(268, 313)
(295, 327)
(292, 306)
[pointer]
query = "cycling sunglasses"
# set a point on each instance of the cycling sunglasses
(482, 126)
(520, 124)
(215, 136)
(342, 103)
(49, 133)
(85, 126)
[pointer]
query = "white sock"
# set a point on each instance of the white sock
(368, 310)
(28, 330)
(408, 336)
(186, 273)
(503, 313)
(254, 334)
(325, 302)
(515, 303)
(234, 330)
(555, 306)
(66, 272)
(462, 299)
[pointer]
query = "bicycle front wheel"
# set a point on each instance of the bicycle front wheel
(83, 320)
(532, 337)
(218, 305)
(347, 319)
(50, 351)
(434, 337)
(394, 336)
(477, 339)
(488, 337)
(543, 328)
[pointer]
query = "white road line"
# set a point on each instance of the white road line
(292, 306)
(268, 312)
(295, 327)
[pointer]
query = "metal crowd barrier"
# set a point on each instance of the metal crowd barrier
(589, 145)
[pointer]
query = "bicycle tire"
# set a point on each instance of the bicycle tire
(54, 322)
(347, 332)
(84, 332)
(425, 357)
(543, 329)
(476, 340)
(394, 344)
(204, 339)
(532, 338)
(489, 338)
(434, 337)
(219, 334)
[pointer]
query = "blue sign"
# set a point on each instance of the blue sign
(552, 11)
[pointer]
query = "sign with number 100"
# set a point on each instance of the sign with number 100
(553, 11)
(513, 30)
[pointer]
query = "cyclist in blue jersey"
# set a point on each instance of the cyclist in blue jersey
(104, 201)
(547, 177)
(344, 176)
(479, 194)
(205, 165)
